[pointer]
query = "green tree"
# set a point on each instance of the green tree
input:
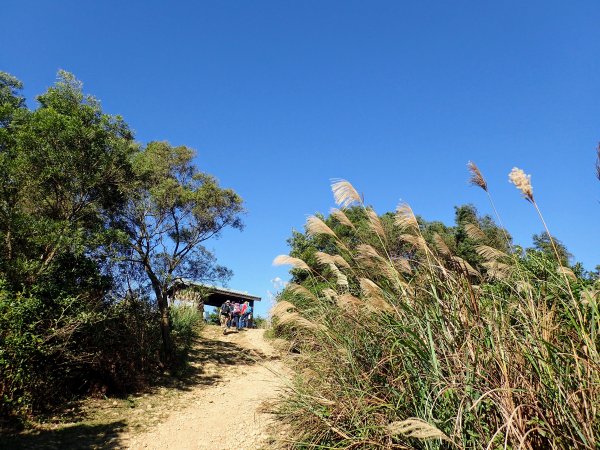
(63, 166)
(542, 243)
(173, 209)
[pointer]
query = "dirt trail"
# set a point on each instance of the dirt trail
(221, 409)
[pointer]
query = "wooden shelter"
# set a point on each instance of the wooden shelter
(205, 294)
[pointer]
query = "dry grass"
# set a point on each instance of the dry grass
(428, 353)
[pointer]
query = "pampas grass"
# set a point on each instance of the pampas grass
(474, 232)
(375, 224)
(324, 258)
(316, 226)
(417, 428)
(522, 181)
(296, 263)
(476, 176)
(341, 217)
(419, 351)
(405, 218)
(344, 193)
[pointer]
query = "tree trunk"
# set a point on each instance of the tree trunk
(165, 329)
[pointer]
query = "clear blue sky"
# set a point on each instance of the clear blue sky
(279, 97)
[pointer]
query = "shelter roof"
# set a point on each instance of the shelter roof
(217, 295)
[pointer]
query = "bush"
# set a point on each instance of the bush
(53, 353)
(127, 344)
(185, 323)
(260, 322)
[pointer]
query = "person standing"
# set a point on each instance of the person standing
(249, 318)
(225, 316)
(244, 315)
(236, 315)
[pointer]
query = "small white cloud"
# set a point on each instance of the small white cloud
(278, 286)
(278, 283)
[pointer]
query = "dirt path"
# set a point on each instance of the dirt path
(221, 409)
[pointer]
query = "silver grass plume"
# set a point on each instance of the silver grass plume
(466, 266)
(316, 226)
(326, 258)
(474, 232)
(344, 193)
(349, 302)
(295, 319)
(416, 428)
(341, 217)
(441, 245)
(490, 253)
(523, 183)
(405, 218)
(281, 307)
(375, 223)
(376, 302)
(340, 261)
(329, 293)
(369, 288)
(370, 258)
(402, 265)
(497, 270)
(476, 176)
(300, 290)
(567, 272)
(366, 251)
(296, 263)
(416, 241)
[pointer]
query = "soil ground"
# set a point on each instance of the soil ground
(220, 404)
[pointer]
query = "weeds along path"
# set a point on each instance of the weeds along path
(223, 408)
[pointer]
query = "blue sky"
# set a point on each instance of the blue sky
(279, 97)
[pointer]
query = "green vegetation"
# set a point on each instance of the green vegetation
(91, 222)
(185, 323)
(172, 209)
(413, 334)
(260, 322)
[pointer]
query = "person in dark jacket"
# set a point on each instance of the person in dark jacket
(225, 315)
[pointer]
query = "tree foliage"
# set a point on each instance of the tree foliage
(80, 201)
(172, 209)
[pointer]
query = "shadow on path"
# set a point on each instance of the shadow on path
(210, 354)
(78, 436)
(214, 352)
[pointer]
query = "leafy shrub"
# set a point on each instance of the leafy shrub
(127, 347)
(260, 322)
(51, 353)
(185, 322)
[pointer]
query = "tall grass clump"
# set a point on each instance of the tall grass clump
(186, 321)
(401, 343)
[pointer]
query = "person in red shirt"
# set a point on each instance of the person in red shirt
(244, 315)
(235, 317)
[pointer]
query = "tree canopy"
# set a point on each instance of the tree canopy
(89, 219)
(172, 209)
